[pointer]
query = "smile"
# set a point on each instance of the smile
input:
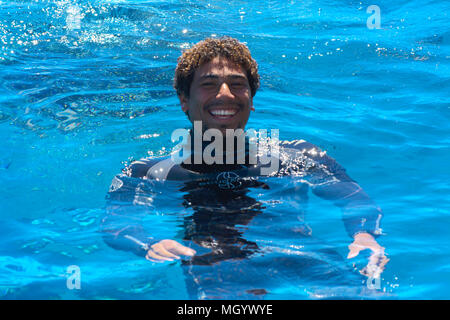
(223, 113)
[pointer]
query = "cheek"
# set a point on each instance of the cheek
(198, 102)
(195, 110)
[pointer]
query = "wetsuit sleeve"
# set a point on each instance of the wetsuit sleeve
(130, 238)
(329, 180)
(128, 201)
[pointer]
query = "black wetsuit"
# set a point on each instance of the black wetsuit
(220, 199)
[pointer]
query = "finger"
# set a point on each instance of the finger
(160, 250)
(352, 254)
(375, 266)
(354, 251)
(153, 260)
(379, 261)
(154, 255)
(371, 271)
(177, 248)
(147, 256)
(180, 249)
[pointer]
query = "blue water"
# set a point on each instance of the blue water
(86, 88)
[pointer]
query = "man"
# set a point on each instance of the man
(216, 81)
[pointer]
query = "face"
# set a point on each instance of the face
(220, 96)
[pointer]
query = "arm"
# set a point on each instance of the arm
(128, 202)
(329, 181)
(361, 215)
(121, 227)
(359, 212)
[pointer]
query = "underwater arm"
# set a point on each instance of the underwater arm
(329, 180)
(129, 200)
(121, 227)
(124, 233)
(360, 213)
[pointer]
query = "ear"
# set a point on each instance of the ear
(252, 108)
(183, 102)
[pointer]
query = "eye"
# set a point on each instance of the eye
(208, 84)
(238, 85)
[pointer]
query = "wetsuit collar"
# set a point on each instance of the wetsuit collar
(237, 158)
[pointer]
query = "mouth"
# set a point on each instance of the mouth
(223, 113)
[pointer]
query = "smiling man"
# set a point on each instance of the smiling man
(216, 81)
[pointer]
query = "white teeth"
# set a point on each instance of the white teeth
(223, 112)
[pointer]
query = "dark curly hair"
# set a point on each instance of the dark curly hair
(207, 50)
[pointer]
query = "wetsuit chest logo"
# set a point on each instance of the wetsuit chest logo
(228, 180)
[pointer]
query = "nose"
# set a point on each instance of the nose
(224, 91)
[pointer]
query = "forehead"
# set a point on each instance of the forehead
(219, 66)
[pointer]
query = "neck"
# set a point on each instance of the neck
(220, 153)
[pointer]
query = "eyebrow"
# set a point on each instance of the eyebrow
(215, 76)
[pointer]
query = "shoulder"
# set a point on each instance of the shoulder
(140, 168)
(305, 147)
(311, 154)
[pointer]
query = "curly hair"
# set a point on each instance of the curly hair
(207, 50)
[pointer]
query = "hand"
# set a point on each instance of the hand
(167, 250)
(377, 259)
